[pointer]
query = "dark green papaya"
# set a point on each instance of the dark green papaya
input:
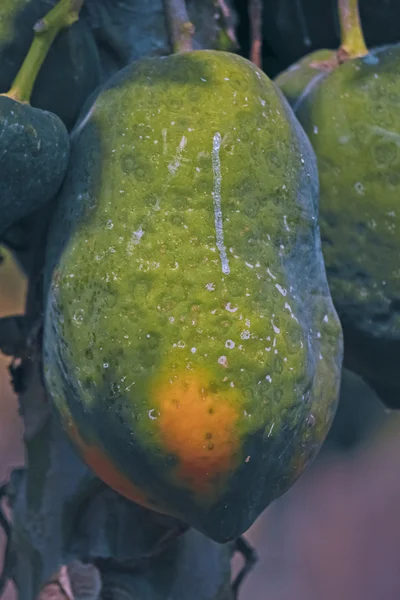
(34, 151)
(191, 346)
(71, 70)
(351, 118)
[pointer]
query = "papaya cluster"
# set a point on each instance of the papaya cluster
(210, 240)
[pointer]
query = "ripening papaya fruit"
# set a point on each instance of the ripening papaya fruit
(191, 346)
(71, 70)
(350, 116)
(34, 151)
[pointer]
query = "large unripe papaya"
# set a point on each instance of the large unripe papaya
(71, 70)
(351, 118)
(192, 349)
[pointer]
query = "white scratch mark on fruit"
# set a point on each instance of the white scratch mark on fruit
(230, 308)
(216, 165)
(223, 361)
(135, 239)
(276, 329)
(281, 289)
(285, 217)
(289, 308)
(173, 167)
(164, 136)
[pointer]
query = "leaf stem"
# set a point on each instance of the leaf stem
(62, 16)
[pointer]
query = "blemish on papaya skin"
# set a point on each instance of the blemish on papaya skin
(187, 427)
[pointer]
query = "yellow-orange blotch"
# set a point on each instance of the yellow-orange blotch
(198, 426)
(103, 467)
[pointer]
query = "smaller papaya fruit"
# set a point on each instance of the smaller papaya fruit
(350, 117)
(34, 151)
(191, 346)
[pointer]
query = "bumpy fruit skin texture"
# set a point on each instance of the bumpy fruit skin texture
(71, 70)
(34, 151)
(351, 118)
(191, 344)
(298, 79)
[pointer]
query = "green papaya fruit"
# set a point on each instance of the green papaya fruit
(300, 77)
(71, 70)
(350, 116)
(191, 346)
(34, 152)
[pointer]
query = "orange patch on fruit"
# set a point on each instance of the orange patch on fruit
(104, 468)
(197, 425)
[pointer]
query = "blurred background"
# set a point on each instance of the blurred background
(335, 534)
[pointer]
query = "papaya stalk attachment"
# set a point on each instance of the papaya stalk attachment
(60, 17)
(352, 43)
(352, 37)
(180, 29)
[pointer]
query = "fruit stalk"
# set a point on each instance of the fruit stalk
(352, 37)
(180, 28)
(62, 16)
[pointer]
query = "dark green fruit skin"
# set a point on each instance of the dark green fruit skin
(71, 70)
(34, 152)
(132, 250)
(351, 118)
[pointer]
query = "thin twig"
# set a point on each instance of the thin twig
(179, 27)
(228, 23)
(255, 17)
(250, 558)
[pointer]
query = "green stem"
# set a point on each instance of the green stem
(352, 37)
(62, 16)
